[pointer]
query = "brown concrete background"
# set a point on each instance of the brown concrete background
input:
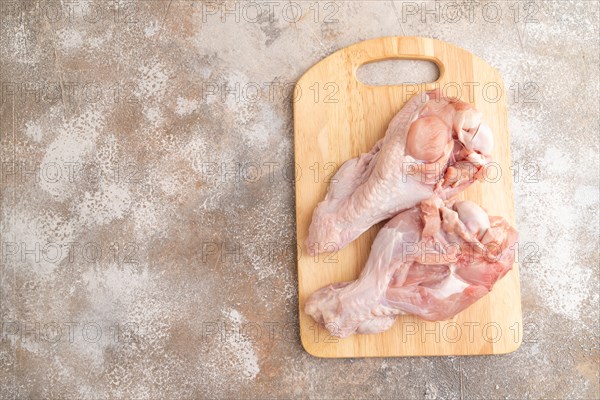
(140, 259)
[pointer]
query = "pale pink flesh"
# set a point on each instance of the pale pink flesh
(433, 261)
(420, 154)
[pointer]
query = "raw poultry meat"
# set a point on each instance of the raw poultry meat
(433, 261)
(433, 145)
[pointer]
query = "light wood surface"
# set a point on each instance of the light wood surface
(336, 118)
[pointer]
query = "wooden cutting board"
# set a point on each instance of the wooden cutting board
(336, 118)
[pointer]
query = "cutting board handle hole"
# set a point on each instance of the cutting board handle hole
(398, 72)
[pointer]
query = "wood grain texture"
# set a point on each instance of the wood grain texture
(336, 118)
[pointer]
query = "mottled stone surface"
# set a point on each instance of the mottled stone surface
(147, 205)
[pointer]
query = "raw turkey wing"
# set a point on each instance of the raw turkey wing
(433, 261)
(433, 145)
